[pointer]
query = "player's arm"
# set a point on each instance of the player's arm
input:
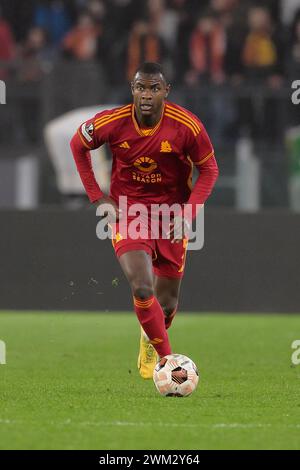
(84, 140)
(202, 154)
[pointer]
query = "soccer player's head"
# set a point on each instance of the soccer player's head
(149, 88)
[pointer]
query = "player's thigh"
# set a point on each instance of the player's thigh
(137, 267)
(170, 260)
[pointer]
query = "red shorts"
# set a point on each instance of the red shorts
(168, 259)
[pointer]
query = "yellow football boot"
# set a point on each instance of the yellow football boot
(148, 357)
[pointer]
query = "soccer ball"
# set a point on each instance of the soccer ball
(175, 375)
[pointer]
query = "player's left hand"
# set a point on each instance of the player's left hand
(179, 229)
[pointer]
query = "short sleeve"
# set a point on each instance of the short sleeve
(198, 145)
(91, 134)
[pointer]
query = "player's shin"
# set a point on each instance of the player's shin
(151, 318)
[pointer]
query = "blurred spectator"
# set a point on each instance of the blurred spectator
(144, 45)
(53, 16)
(19, 15)
(222, 7)
(35, 60)
(207, 48)
(36, 56)
(121, 14)
(186, 11)
(97, 10)
(7, 47)
(235, 26)
(293, 65)
(262, 59)
(261, 55)
(119, 18)
(166, 20)
(207, 54)
(81, 42)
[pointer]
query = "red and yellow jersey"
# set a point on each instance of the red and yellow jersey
(150, 165)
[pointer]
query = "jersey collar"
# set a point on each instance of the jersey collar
(150, 130)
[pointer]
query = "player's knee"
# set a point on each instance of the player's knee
(143, 291)
(169, 305)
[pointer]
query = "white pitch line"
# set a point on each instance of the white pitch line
(141, 424)
(128, 423)
(240, 425)
(10, 421)
(188, 425)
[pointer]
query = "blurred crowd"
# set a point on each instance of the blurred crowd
(246, 52)
(210, 41)
(229, 61)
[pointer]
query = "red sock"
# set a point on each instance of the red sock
(152, 320)
(169, 318)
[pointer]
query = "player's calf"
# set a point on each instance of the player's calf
(169, 316)
(169, 305)
(151, 318)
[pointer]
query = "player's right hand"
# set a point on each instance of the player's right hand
(107, 207)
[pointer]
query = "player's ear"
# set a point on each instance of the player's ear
(168, 87)
(132, 86)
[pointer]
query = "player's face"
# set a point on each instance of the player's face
(149, 93)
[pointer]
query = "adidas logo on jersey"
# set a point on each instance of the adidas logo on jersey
(125, 145)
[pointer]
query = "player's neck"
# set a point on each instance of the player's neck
(148, 121)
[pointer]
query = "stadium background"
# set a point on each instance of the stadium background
(232, 63)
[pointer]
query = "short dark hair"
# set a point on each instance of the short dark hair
(152, 68)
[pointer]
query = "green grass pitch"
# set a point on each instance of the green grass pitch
(70, 382)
